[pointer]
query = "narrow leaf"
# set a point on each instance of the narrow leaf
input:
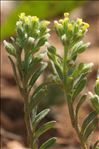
(14, 69)
(81, 101)
(91, 127)
(41, 86)
(37, 74)
(34, 113)
(59, 71)
(90, 117)
(97, 87)
(79, 87)
(44, 128)
(95, 102)
(48, 143)
(36, 98)
(40, 116)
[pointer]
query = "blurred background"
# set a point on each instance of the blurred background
(13, 132)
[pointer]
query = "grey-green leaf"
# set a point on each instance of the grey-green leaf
(44, 128)
(37, 74)
(90, 117)
(79, 87)
(95, 102)
(59, 71)
(48, 143)
(97, 87)
(40, 116)
(91, 127)
(36, 98)
(81, 101)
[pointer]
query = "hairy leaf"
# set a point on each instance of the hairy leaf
(78, 88)
(48, 143)
(37, 74)
(40, 116)
(36, 98)
(95, 102)
(44, 128)
(91, 127)
(81, 101)
(90, 117)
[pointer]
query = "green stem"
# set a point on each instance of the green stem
(74, 123)
(64, 64)
(69, 102)
(30, 130)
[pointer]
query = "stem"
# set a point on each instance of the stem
(74, 123)
(27, 122)
(27, 116)
(30, 131)
(64, 64)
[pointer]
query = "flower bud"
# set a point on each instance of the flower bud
(79, 21)
(57, 25)
(44, 24)
(22, 16)
(10, 48)
(70, 27)
(47, 36)
(63, 38)
(35, 19)
(27, 21)
(85, 27)
(66, 14)
(31, 40)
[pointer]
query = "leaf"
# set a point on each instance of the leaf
(91, 127)
(32, 63)
(48, 143)
(81, 101)
(40, 116)
(90, 117)
(14, 69)
(95, 102)
(37, 74)
(96, 89)
(79, 48)
(15, 74)
(78, 87)
(52, 50)
(87, 68)
(44, 128)
(82, 69)
(59, 71)
(34, 113)
(36, 98)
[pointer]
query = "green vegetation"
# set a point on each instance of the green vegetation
(28, 65)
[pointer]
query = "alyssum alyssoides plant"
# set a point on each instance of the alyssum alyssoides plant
(73, 76)
(27, 63)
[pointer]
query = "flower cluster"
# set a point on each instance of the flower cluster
(32, 32)
(70, 31)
